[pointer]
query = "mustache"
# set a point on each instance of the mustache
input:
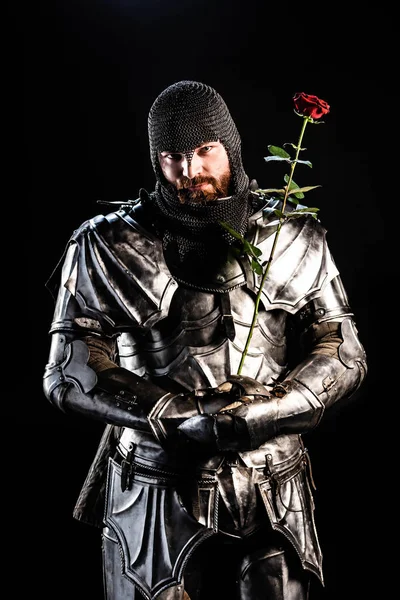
(187, 182)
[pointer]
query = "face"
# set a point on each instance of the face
(205, 177)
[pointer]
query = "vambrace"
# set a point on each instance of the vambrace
(118, 396)
(115, 396)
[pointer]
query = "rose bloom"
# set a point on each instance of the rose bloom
(310, 106)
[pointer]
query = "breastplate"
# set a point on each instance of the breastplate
(194, 338)
(200, 340)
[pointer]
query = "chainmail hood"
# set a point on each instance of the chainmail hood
(184, 116)
(188, 114)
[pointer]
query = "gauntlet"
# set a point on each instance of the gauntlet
(229, 427)
(193, 413)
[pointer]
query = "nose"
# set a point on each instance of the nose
(191, 166)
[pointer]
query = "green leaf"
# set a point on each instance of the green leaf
(292, 183)
(257, 268)
(269, 158)
(312, 212)
(272, 190)
(291, 144)
(297, 215)
(280, 214)
(247, 248)
(305, 162)
(277, 151)
(303, 189)
(307, 210)
(232, 231)
(250, 249)
(296, 192)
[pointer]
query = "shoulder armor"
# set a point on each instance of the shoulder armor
(115, 267)
(302, 263)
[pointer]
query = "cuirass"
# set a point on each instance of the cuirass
(171, 332)
(191, 344)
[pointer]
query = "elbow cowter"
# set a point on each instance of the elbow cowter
(331, 378)
(67, 368)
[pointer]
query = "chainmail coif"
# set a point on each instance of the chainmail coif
(184, 116)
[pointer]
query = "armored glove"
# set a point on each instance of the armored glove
(227, 424)
(169, 415)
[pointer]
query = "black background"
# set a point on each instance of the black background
(93, 71)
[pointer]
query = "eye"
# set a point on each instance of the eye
(173, 156)
(205, 149)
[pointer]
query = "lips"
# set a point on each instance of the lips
(199, 186)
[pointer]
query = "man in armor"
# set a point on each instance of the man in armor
(199, 464)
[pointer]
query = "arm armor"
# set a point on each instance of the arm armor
(297, 405)
(333, 368)
(115, 395)
(82, 374)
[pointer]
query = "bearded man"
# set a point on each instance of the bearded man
(201, 483)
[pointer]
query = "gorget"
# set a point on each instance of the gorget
(195, 243)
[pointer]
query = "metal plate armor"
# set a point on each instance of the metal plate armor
(116, 283)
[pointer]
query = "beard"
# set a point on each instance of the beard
(220, 189)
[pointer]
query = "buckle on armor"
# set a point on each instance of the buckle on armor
(127, 468)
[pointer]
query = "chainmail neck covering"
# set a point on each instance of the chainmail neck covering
(184, 116)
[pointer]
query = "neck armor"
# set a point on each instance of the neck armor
(184, 116)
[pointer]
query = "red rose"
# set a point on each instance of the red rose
(310, 106)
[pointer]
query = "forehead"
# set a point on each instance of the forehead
(192, 150)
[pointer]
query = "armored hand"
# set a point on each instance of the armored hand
(173, 410)
(210, 417)
(332, 373)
